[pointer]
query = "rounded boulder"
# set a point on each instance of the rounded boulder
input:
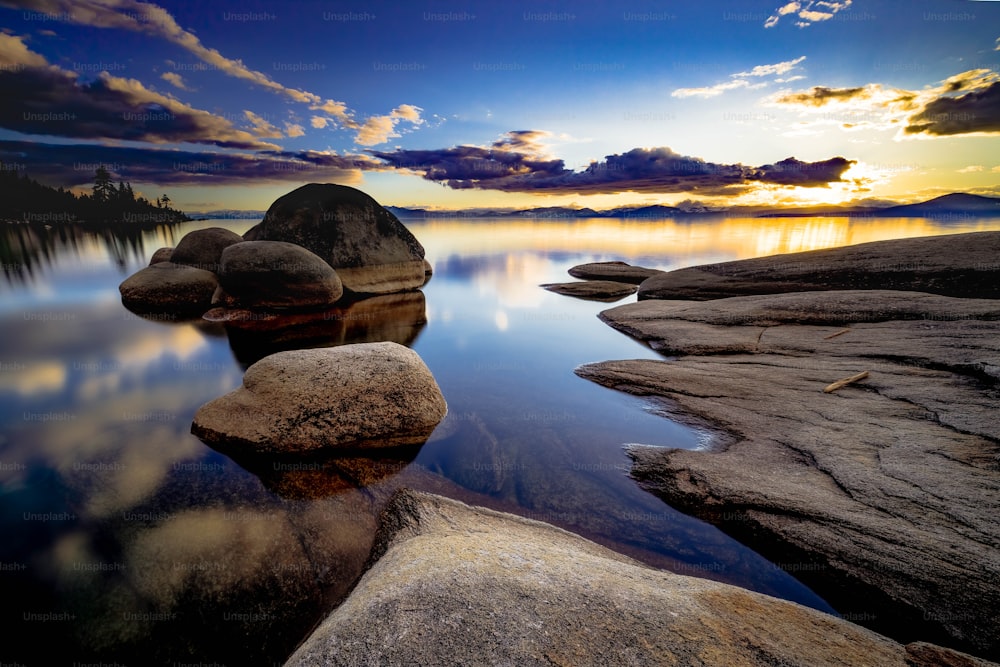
(368, 395)
(203, 248)
(371, 250)
(169, 287)
(275, 274)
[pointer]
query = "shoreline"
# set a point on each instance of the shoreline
(886, 489)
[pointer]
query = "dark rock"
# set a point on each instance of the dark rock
(595, 290)
(616, 271)
(203, 248)
(963, 265)
(161, 255)
(169, 287)
(275, 274)
(371, 250)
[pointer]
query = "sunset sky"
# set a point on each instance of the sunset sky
(452, 105)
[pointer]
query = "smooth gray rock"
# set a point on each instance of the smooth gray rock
(964, 265)
(349, 397)
(617, 271)
(275, 274)
(169, 287)
(449, 584)
(596, 290)
(203, 248)
(888, 489)
(371, 250)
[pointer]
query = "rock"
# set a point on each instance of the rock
(203, 248)
(275, 274)
(596, 290)
(169, 287)
(962, 265)
(616, 271)
(349, 397)
(161, 255)
(886, 491)
(452, 584)
(371, 250)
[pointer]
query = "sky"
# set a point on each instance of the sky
(451, 105)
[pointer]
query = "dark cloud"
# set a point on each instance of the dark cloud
(39, 98)
(976, 111)
(74, 165)
(817, 96)
(652, 170)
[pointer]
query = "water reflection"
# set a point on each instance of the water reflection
(164, 550)
(253, 335)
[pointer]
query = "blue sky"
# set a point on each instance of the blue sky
(451, 105)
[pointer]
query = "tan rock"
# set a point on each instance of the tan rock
(353, 396)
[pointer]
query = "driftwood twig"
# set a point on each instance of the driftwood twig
(834, 335)
(846, 381)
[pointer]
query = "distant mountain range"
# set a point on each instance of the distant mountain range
(957, 205)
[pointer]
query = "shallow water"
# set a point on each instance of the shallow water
(126, 538)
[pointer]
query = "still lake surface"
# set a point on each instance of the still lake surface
(126, 538)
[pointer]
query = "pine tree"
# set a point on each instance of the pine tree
(104, 189)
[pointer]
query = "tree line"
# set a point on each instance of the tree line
(23, 199)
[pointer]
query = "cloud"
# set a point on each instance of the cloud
(808, 12)
(741, 79)
(261, 127)
(975, 112)
(45, 99)
(503, 166)
(174, 80)
(318, 122)
(819, 96)
(971, 169)
(293, 130)
(379, 129)
(59, 164)
(967, 103)
(151, 19)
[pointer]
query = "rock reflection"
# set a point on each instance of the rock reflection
(314, 477)
(253, 335)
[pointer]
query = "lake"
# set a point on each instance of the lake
(128, 539)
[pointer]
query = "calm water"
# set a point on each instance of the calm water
(126, 538)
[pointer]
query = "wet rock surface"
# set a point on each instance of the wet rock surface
(963, 265)
(453, 584)
(596, 290)
(616, 271)
(169, 287)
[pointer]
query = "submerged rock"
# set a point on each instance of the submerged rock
(617, 271)
(452, 584)
(275, 274)
(596, 290)
(169, 287)
(203, 248)
(963, 265)
(371, 250)
(349, 397)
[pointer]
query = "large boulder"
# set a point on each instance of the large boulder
(371, 250)
(454, 585)
(161, 255)
(963, 265)
(367, 395)
(169, 287)
(275, 274)
(203, 248)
